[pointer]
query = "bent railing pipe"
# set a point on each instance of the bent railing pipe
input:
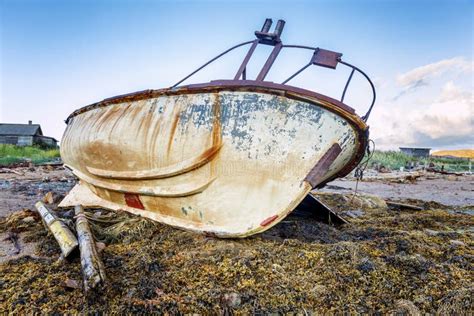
(321, 57)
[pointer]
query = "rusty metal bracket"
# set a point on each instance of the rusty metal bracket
(265, 37)
(314, 176)
(325, 58)
(321, 57)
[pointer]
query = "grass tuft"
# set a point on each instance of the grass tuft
(11, 154)
(396, 159)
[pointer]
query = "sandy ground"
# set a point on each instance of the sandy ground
(23, 188)
(448, 190)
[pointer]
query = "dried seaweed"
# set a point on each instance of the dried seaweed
(384, 261)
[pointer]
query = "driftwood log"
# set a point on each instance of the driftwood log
(403, 205)
(93, 271)
(61, 232)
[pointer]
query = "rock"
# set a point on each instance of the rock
(405, 307)
(353, 213)
(100, 246)
(319, 290)
(48, 198)
(456, 243)
(277, 268)
(232, 300)
(131, 292)
(413, 264)
(357, 201)
(451, 178)
(68, 214)
(368, 201)
(366, 265)
(28, 219)
(384, 169)
(72, 284)
(431, 232)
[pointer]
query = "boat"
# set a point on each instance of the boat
(228, 158)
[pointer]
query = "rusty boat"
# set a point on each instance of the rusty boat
(227, 158)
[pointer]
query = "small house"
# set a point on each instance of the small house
(25, 135)
(416, 151)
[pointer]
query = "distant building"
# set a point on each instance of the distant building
(416, 152)
(25, 135)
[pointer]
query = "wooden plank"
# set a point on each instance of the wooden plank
(93, 271)
(403, 205)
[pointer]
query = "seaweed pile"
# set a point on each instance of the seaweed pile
(386, 260)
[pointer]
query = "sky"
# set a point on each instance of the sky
(57, 56)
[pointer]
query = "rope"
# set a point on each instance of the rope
(359, 171)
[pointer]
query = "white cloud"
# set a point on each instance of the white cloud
(422, 76)
(430, 71)
(451, 92)
(448, 121)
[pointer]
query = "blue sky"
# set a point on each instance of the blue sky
(57, 56)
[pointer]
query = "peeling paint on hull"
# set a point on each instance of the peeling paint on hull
(220, 161)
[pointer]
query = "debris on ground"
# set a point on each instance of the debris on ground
(402, 206)
(93, 271)
(385, 260)
(67, 241)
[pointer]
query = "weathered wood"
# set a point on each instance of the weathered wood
(403, 205)
(61, 232)
(93, 271)
(443, 172)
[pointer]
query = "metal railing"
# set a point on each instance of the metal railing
(321, 57)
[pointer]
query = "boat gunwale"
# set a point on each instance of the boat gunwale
(205, 87)
(291, 92)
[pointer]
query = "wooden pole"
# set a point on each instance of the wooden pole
(93, 271)
(61, 232)
(403, 205)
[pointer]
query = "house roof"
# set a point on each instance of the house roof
(49, 137)
(20, 129)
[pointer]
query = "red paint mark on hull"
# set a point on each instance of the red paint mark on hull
(133, 200)
(268, 220)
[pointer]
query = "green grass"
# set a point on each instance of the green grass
(391, 159)
(395, 159)
(11, 154)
